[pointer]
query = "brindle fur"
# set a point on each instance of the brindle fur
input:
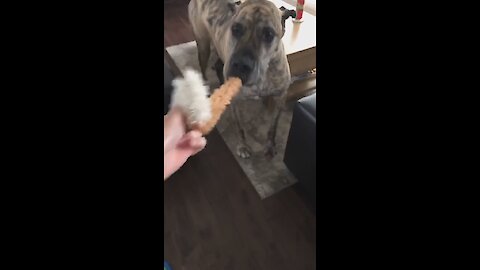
(212, 21)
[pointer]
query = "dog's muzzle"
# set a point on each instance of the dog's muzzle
(242, 66)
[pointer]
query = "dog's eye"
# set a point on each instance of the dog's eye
(268, 35)
(237, 30)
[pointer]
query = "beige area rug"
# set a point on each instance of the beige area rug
(268, 177)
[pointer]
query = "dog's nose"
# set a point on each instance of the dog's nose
(243, 66)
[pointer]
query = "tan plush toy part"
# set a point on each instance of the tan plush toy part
(191, 95)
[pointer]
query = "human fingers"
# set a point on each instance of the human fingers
(198, 145)
(174, 129)
(175, 158)
(191, 135)
(192, 142)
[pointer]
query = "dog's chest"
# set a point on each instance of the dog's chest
(254, 117)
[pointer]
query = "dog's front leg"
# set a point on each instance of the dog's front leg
(243, 150)
(270, 147)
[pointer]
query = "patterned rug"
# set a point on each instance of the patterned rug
(267, 176)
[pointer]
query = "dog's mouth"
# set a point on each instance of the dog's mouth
(244, 67)
(243, 77)
(248, 80)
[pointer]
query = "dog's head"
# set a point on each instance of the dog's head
(254, 38)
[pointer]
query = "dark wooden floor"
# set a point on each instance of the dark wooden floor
(177, 25)
(213, 217)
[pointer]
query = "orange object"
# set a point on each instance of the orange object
(219, 101)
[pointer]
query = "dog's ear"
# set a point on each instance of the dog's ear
(286, 13)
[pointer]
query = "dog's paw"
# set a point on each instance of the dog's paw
(270, 151)
(243, 151)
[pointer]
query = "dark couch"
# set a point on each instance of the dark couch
(300, 153)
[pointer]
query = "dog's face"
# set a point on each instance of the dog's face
(253, 39)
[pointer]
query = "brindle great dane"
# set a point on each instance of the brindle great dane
(247, 39)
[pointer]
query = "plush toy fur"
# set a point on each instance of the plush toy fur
(190, 94)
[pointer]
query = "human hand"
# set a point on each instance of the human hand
(178, 145)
